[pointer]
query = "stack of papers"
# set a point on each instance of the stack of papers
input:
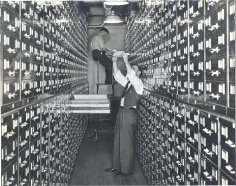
(90, 104)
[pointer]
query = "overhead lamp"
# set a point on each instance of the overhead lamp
(112, 18)
(115, 2)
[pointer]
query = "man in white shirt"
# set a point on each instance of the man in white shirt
(124, 149)
(98, 51)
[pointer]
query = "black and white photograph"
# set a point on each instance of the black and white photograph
(117, 92)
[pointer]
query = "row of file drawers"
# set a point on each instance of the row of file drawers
(40, 57)
(16, 48)
(31, 31)
(176, 134)
(179, 57)
(36, 71)
(61, 135)
(12, 92)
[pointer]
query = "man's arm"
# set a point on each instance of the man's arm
(119, 77)
(102, 45)
(134, 80)
(115, 68)
(128, 67)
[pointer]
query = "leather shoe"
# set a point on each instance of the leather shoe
(111, 169)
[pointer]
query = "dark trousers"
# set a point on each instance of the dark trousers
(124, 143)
(104, 61)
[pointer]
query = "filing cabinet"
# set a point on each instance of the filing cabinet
(24, 128)
(35, 125)
(209, 172)
(11, 69)
(192, 125)
(27, 89)
(192, 156)
(197, 90)
(179, 176)
(11, 47)
(209, 136)
(180, 119)
(10, 17)
(27, 50)
(38, 38)
(227, 147)
(27, 70)
(47, 58)
(47, 86)
(197, 76)
(182, 87)
(27, 8)
(179, 148)
(215, 22)
(196, 9)
(216, 48)
(191, 175)
(216, 92)
(182, 38)
(45, 157)
(38, 55)
(10, 175)
(35, 162)
(211, 5)
(38, 87)
(38, 21)
(24, 167)
(196, 31)
(182, 15)
(226, 180)
(9, 139)
(231, 31)
(196, 50)
(27, 32)
(33, 50)
(12, 6)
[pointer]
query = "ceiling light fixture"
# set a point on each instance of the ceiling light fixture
(116, 2)
(112, 18)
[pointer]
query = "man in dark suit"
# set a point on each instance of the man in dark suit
(124, 145)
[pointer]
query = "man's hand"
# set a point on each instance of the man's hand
(114, 59)
(125, 57)
(118, 53)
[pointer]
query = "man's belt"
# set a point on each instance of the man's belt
(128, 108)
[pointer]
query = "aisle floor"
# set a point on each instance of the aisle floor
(93, 158)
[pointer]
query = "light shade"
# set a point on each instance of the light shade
(116, 2)
(113, 18)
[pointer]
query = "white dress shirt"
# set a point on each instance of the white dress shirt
(134, 80)
(97, 42)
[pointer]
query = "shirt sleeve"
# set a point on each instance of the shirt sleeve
(101, 42)
(120, 78)
(136, 82)
(97, 42)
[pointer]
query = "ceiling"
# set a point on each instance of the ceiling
(95, 8)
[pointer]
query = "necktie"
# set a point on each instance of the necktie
(125, 89)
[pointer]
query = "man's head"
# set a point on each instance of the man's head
(104, 31)
(137, 69)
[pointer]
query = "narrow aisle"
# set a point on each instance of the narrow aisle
(93, 158)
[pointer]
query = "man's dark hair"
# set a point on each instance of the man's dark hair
(139, 68)
(104, 29)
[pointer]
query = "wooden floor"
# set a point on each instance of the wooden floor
(93, 158)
